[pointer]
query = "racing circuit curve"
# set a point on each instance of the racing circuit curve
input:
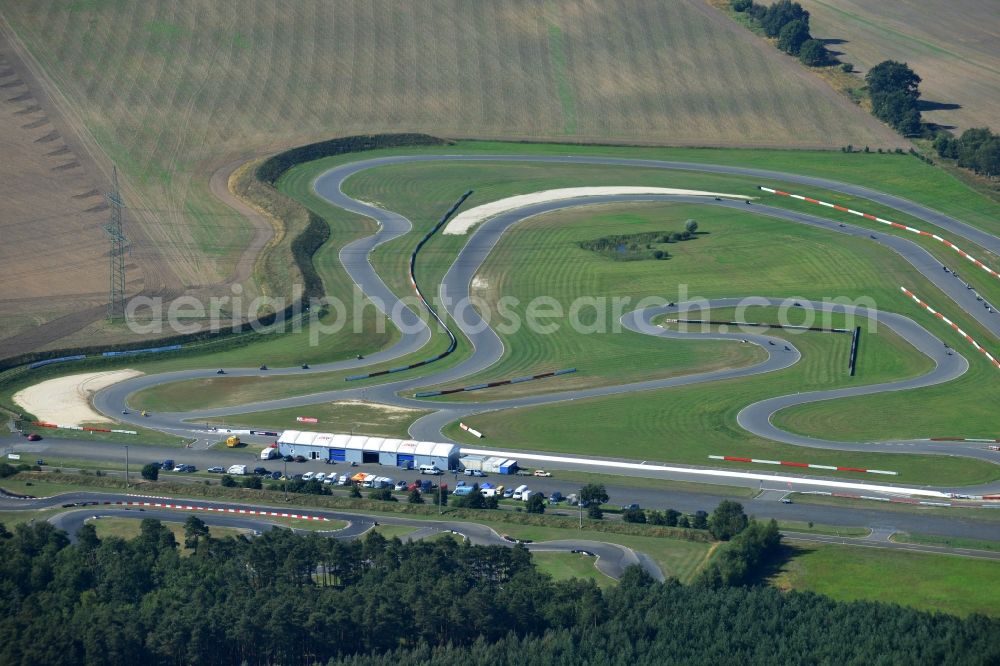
(487, 347)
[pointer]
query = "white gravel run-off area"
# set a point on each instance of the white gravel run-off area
(66, 400)
(461, 223)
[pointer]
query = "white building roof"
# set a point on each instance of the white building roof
(363, 443)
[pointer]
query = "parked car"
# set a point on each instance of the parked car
(413, 486)
(260, 471)
(300, 458)
(275, 475)
(307, 476)
(289, 459)
(556, 497)
(630, 507)
(508, 493)
(541, 472)
(401, 485)
(319, 476)
(475, 472)
(215, 470)
(330, 479)
(345, 479)
(167, 464)
(34, 438)
(786, 500)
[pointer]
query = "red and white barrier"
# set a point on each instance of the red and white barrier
(940, 316)
(834, 468)
(471, 431)
(45, 424)
(962, 253)
(247, 512)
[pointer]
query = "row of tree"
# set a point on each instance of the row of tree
(788, 22)
(290, 599)
(977, 149)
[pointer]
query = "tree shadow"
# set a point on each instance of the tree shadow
(832, 40)
(784, 554)
(927, 105)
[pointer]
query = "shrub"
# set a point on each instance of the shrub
(847, 67)
(634, 516)
(741, 5)
(227, 481)
(151, 472)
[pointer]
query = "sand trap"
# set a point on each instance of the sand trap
(461, 223)
(389, 410)
(66, 400)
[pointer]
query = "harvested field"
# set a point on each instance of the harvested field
(951, 45)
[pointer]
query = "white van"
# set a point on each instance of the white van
(430, 469)
(237, 469)
(519, 492)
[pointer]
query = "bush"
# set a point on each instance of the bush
(151, 472)
(594, 511)
(415, 497)
(382, 495)
(727, 520)
(535, 504)
(741, 5)
(228, 481)
(253, 482)
(847, 67)
(691, 226)
(634, 516)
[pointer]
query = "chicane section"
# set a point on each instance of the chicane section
(487, 346)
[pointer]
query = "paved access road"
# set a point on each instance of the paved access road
(488, 347)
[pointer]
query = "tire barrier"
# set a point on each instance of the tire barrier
(832, 468)
(452, 340)
(471, 431)
(107, 354)
(853, 362)
(712, 322)
(962, 253)
(151, 350)
(242, 512)
(61, 359)
(905, 500)
(940, 316)
(504, 382)
(45, 424)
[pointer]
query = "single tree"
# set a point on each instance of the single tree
(594, 493)
(671, 516)
(691, 226)
(228, 481)
(792, 36)
(415, 497)
(535, 504)
(727, 520)
(355, 491)
(194, 530)
(682, 521)
(151, 472)
(890, 76)
(700, 520)
(594, 511)
(813, 53)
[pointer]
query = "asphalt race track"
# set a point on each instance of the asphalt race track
(488, 347)
(612, 559)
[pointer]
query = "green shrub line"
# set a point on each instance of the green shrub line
(334, 502)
